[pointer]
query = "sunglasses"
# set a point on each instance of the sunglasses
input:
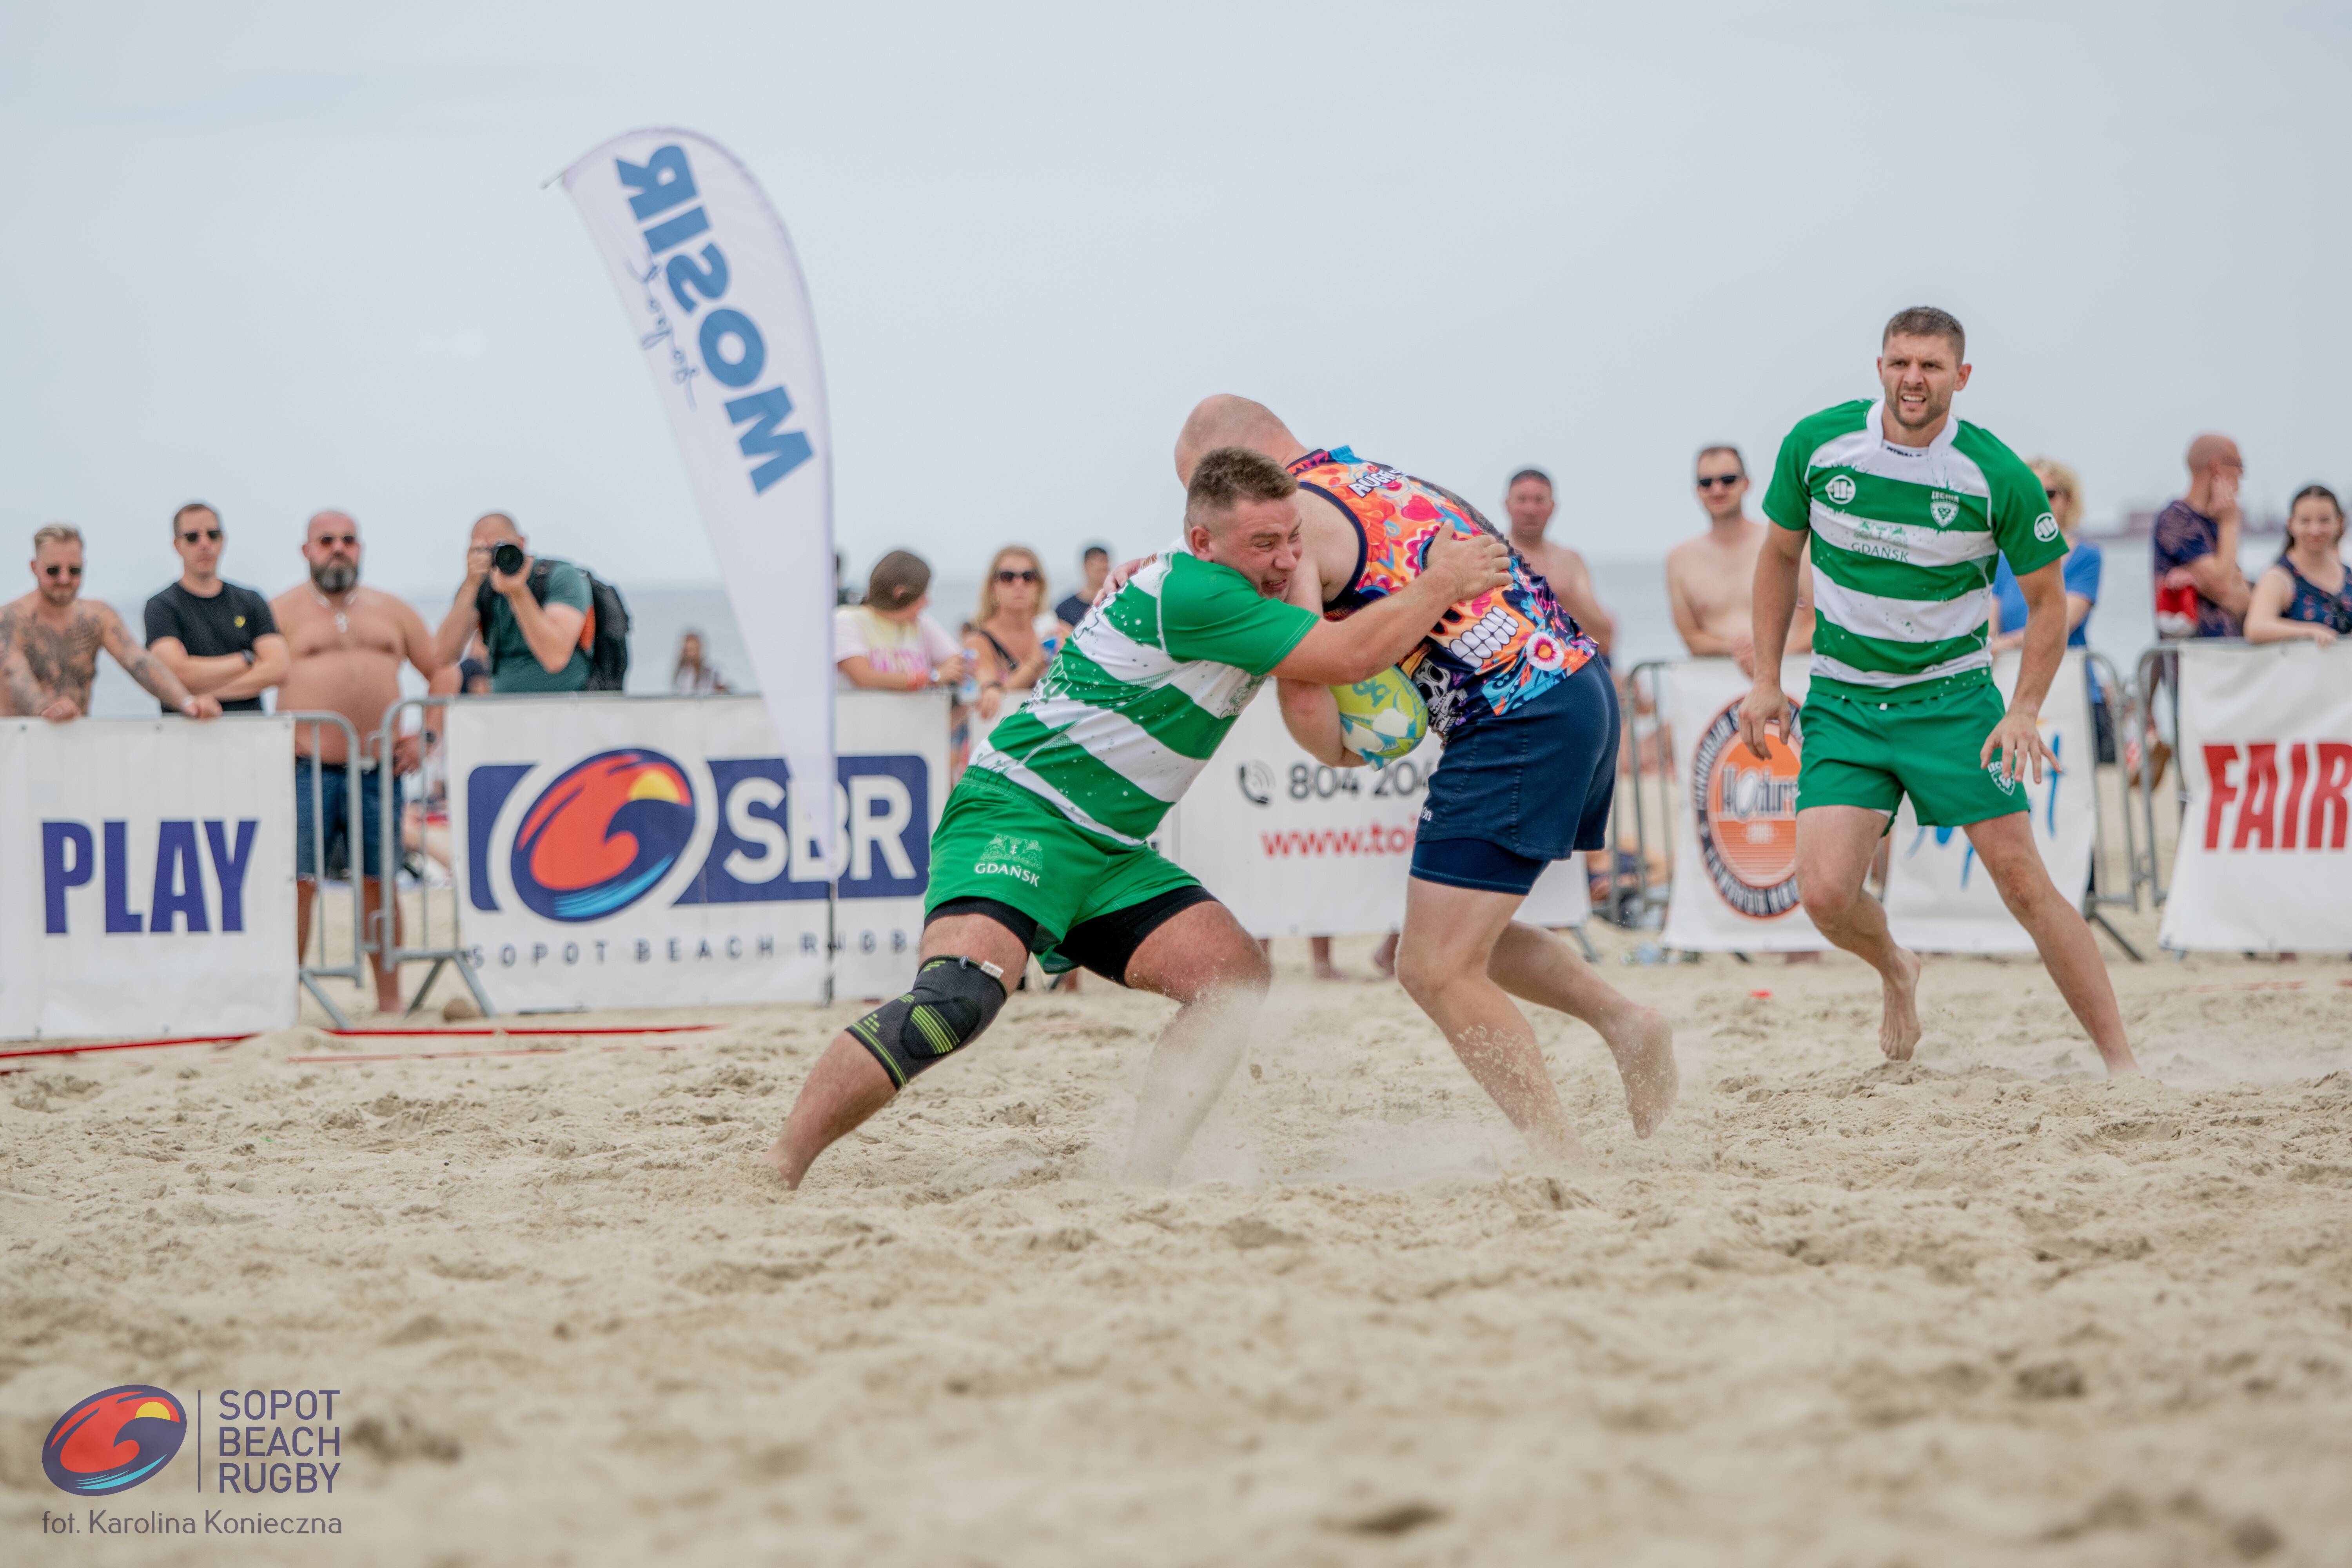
(193, 534)
(1709, 481)
(2051, 492)
(56, 571)
(1007, 575)
(330, 539)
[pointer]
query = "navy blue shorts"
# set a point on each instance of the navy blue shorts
(334, 798)
(1519, 790)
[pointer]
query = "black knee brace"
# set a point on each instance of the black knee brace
(954, 999)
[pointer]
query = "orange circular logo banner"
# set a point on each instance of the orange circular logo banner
(1747, 808)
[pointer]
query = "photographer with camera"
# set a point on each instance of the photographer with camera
(549, 626)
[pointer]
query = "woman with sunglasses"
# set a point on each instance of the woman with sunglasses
(1012, 639)
(2063, 491)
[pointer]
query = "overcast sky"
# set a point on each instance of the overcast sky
(286, 260)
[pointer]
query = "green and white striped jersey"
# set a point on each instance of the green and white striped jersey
(1137, 700)
(1905, 540)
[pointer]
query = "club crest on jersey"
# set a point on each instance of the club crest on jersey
(2046, 528)
(1840, 489)
(1943, 511)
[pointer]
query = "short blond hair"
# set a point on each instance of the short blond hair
(55, 533)
(2056, 475)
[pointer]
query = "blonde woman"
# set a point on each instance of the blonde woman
(1012, 639)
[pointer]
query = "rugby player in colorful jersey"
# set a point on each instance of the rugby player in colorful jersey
(1530, 721)
(1906, 507)
(1043, 847)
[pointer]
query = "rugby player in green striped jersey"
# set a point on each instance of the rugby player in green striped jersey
(1906, 507)
(1043, 847)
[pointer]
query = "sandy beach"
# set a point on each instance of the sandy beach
(1986, 1307)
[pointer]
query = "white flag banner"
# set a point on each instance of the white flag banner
(1295, 848)
(713, 289)
(2266, 751)
(146, 876)
(1735, 880)
(1938, 898)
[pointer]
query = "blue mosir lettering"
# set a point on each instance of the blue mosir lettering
(671, 233)
(784, 449)
(69, 859)
(716, 328)
(687, 279)
(662, 181)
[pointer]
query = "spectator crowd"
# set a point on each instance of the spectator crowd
(524, 623)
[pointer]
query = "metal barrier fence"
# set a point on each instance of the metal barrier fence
(386, 936)
(1647, 804)
(314, 779)
(2160, 667)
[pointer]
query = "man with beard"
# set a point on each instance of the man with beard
(50, 641)
(347, 643)
(1907, 508)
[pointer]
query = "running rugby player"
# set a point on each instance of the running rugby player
(1906, 507)
(1042, 845)
(1530, 721)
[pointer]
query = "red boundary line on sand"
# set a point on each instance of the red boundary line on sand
(444, 1056)
(476, 1033)
(125, 1045)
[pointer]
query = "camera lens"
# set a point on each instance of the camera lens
(508, 557)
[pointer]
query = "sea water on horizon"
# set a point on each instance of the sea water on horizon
(1631, 588)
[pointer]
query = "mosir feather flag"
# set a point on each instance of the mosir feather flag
(715, 295)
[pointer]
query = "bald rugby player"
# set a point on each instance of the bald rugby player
(1907, 509)
(1517, 693)
(1043, 847)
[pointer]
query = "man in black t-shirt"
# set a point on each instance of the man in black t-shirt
(218, 638)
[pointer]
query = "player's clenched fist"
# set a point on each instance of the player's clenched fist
(1469, 564)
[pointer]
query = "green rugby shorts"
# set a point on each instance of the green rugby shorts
(996, 840)
(1871, 754)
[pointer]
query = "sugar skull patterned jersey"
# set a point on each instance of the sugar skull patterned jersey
(1486, 656)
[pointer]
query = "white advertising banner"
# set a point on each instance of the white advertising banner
(1938, 898)
(2266, 751)
(619, 852)
(714, 292)
(1295, 848)
(1735, 879)
(146, 876)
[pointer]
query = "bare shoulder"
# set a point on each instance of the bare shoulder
(96, 616)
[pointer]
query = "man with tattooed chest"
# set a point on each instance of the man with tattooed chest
(50, 641)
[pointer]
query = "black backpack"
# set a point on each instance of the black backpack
(604, 638)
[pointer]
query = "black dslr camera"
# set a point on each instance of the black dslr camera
(506, 556)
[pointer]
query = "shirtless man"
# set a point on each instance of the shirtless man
(1529, 501)
(50, 641)
(1711, 580)
(1517, 693)
(347, 643)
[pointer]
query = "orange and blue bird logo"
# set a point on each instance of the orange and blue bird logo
(113, 1441)
(603, 835)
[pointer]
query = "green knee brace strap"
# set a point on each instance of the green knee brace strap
(954, 999)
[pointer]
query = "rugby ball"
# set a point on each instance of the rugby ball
(1382, 719)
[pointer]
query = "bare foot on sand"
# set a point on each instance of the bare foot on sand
(1643, 1044)
(1898, 1029)
(777, 1160)
(1384, 955)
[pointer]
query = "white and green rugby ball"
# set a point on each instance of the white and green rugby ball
(1382, 719)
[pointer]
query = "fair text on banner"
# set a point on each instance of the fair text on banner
(713, 289)
(1295, 848)
(146, 876)
(1735, 880)
(659, 852)
(2266, 752)
(1938, 898)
